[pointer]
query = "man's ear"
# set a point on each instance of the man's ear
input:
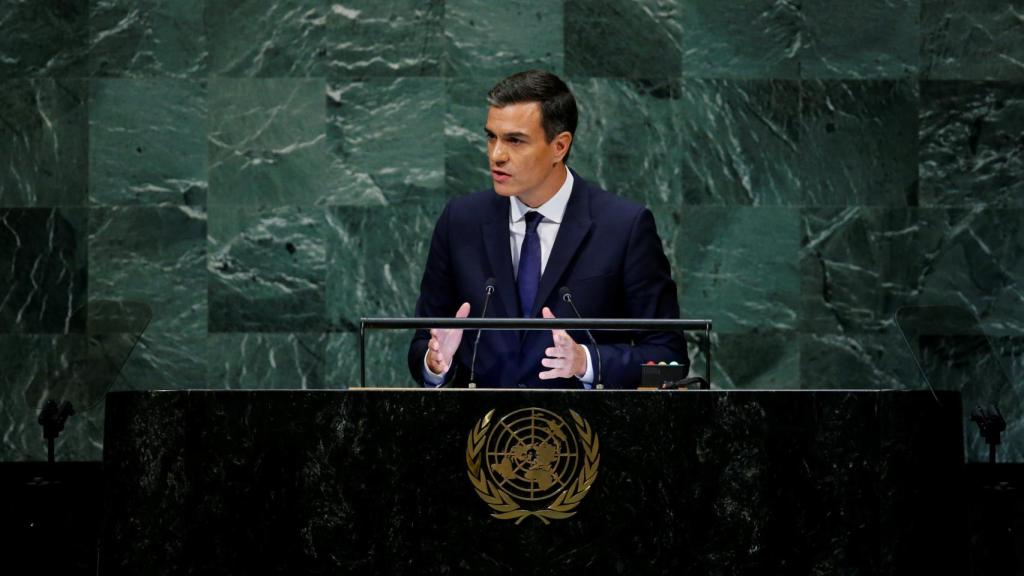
(562, 142)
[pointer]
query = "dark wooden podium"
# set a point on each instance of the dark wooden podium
(535, 482)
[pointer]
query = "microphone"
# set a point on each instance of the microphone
(567, 298)
(488, 290)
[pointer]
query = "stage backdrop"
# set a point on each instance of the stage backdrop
(263, 174)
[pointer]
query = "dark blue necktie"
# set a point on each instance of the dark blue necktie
(528, 280)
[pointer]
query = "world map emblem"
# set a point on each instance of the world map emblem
(531, 462)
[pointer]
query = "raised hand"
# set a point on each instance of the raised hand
(443, 344)
(566, 358)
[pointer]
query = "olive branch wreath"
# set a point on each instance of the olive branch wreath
(505, 508)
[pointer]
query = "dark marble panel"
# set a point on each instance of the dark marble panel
(499, 38)
(972, 144)
(266, 142)
(397, 38)
(375, 260)
(738, 267)
(858, 266)
(627, 139)
(761, 39)
(154, 38)
(270, 39)
(465, 144)
(632, 38)
(740, 142)
(869, 39)
(43, 276)
(375, 482)
(386, 140)
(387, 363)
(971, 40)
(43, 142)
(267, 361)
(147, 142)
(156, 256)
(43, 37)
(266, 269)
(858, 143)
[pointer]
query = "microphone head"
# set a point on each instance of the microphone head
(490, 284)
(565, 293)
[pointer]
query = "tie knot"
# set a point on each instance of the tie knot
(532, 221)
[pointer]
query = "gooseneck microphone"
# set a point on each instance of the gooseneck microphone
(488, 290)
(567, 298)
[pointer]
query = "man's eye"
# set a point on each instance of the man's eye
(514, 141)
(490, 137)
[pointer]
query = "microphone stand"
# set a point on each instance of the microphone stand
(567, 298)
(488, 290)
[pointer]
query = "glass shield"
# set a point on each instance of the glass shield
(952, 352)
(83, 368)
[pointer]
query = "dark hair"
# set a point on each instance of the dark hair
(557, 105)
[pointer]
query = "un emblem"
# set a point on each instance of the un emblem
(532, 463)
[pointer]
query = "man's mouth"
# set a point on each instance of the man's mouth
(500, 176)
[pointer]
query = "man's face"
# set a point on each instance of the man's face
(523, 163)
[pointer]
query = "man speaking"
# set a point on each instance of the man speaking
(540, 232)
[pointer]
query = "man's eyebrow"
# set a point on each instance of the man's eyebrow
(520, 135)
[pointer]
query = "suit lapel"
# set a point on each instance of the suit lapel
(575, 228)
(499, 254)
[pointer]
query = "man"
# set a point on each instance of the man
(540, 228)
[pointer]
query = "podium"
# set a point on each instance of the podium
(533, 482)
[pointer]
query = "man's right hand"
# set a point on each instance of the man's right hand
(443, 344)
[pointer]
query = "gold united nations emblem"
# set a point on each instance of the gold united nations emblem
(532, 463)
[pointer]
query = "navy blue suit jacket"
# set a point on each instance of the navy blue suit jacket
(607, 252)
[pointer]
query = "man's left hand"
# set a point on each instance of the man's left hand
(566, 358)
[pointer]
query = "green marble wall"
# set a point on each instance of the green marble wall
(262, 174)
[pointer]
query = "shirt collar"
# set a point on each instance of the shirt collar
(553, 209)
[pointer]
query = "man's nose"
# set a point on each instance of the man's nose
(499, 154)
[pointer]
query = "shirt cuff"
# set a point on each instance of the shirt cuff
(429, 378)
(588, 377)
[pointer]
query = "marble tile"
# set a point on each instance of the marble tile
(28, 364)
(43, 38)
(154, 256)
(857, 361)
(971, 40)
(147, 142)
(971, 141)
(375, 260)
(147, 38)
(165, 360)
(250, 38)
(397, 38)
(465, 144)
(267, 361)
(869, 39)
(757, 360)
(44, 144)
(737, 266)
(266, 142)
(630, 38)
(858, 143)
(43, 270)
(385, 139)
(501, 38)
(858, 266)
(386, 360)
(627, 139)
(760, 39)
(740, 142)
(266, 269)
